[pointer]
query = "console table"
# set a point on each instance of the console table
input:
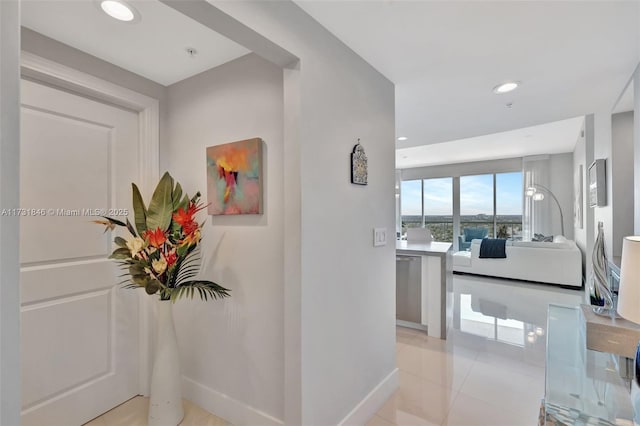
(582, 386)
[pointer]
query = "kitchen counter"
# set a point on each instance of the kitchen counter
(431, 249)
(436, 287)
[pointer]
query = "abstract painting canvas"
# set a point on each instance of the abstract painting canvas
(234, 178)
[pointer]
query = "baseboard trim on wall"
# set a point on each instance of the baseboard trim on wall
(224, 406)
(373, 401)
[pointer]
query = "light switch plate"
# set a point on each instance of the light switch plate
(379, 237)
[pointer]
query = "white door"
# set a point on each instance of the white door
(79, 329)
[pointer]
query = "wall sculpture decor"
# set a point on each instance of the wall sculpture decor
(358, 165)
(234, 178)
(600, 294)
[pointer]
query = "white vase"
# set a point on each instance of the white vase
(165, 406)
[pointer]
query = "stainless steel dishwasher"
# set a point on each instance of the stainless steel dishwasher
(409, 291)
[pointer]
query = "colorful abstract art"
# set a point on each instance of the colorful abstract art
(234, 178)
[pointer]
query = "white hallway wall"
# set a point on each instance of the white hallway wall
(636, 149)
(602, 148)
(237, 347)
(622, 163)
(580, 233)
(561, 184)
(9, 198)
(636, 140)
(347, 309)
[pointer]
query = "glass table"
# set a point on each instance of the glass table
(582, 387)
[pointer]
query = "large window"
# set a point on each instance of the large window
(438, 208)
(428, 203)
(509, 205)
(490, 205)
(476, 203)
(411, 204)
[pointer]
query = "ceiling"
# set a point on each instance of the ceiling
(155, 47)
(550, 138)
(573, 58)
(445, 57)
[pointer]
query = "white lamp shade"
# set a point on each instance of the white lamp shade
(629, 291)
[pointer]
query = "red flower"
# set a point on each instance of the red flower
(182, 216)
(156, 238)
(171, 258)
(189, 227)
(185, 218)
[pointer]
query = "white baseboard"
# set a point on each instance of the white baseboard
(230, 409)
(373, 401)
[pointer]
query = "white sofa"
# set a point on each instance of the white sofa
(558, 262)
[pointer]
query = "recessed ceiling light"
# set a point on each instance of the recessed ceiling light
(403, 138)
(506, 87)
(120, 10)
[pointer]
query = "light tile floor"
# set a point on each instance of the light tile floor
(489, 371)
(135, 412)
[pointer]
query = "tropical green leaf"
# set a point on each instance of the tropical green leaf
(205, 289)
(114, 221)
(130, 228)
(136, 269)
(187, 267)
(140, 281)
(175, 197)
(182, 251)
(139, 210)
(138, 275)
(184, 204)
(161, 205)
(187, 270)
(177, 269)
(120, 242)
(152, 287)
(120, 253)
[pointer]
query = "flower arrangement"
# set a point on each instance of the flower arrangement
(161, 253)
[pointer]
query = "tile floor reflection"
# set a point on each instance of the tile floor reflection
(489, 371)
